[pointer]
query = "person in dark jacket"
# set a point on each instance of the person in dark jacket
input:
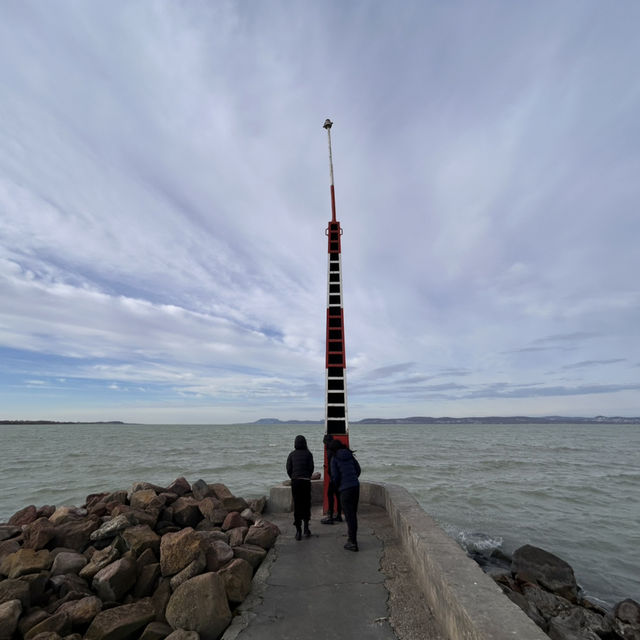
(299, 469)
(333, 495)
(345, 471)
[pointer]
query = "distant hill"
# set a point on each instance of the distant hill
(473, 420)
(60, 422)
(504, 420)
(277, 421)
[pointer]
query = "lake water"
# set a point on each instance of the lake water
(571, 489)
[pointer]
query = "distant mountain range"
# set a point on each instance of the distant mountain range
(409, 420)
(59, 422)
(473, 420)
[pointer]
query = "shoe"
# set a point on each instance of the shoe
(351, 546)
(338, 518)
(307, 533)
(298, 534)
(327, 520)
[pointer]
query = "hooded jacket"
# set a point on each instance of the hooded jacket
(300, 460)
(345, 470)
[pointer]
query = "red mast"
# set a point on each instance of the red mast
(336, 423)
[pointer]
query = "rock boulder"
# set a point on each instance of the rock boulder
(121, 622)
(201, 605)
(532, 564)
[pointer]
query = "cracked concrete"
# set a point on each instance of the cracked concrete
(313, 588)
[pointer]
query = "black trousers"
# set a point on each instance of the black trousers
(333, 495)
(301, 492)
(349, 498)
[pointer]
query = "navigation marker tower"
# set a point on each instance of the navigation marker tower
(336, 423)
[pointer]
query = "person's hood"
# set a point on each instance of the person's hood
(300, 442)
(344, 454)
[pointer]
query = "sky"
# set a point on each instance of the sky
(164, 195)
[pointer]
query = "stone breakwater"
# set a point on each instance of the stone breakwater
(148, 563)
(545, 588)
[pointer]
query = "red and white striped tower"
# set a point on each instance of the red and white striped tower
(336, 423)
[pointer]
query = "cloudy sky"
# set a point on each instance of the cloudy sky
(164, 192)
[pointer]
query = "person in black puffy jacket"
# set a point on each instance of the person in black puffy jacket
(345, 471)
(299, 469)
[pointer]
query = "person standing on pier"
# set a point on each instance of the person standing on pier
(333, 495)
(345, 471)
(300, 469)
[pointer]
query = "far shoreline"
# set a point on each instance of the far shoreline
(415, 420)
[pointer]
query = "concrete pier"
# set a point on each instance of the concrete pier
(313, 588)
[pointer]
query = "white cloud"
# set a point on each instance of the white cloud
(162, 205)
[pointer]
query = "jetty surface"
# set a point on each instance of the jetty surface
(409, 580)
(313, 588)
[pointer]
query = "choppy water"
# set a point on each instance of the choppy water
(571, 489)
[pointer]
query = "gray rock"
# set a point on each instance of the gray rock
(111, 528)
(70, 583)
(7, 547)
(549, 604)
(10, 613)
(24, 516)
(179, 486)
(200, 490)
(160, 599)
(209, 536)
(8, 531)
(68, 562)
(200, 604)
(186, 512)
(146, 499)
(532, 564)
(99, 560)
(121, 622)
(627, 611)
(257, 505)
(253, 554)
(237, 579)
(528, 607)
(82, 611)
(144, 486)
(263, 533)
(15, 589)
(221, 491)
(75, 533)
(249, 515)
(156, 631)
(25, 561)
(177, 550)
(208, 507)
(233, 520)
(218, 553)
(119, 497)
(234, 504)
(237, 535)
(571, 626)
(66, 513)
(140, 538)
(116, 579)
(38, 534)
(181, 634)
(145, 558)
(193, 569)
(143, 516)
(625, 619)
(147, 580)
(57, 623)
(30, 620)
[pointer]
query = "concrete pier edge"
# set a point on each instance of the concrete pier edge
(466, 603)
